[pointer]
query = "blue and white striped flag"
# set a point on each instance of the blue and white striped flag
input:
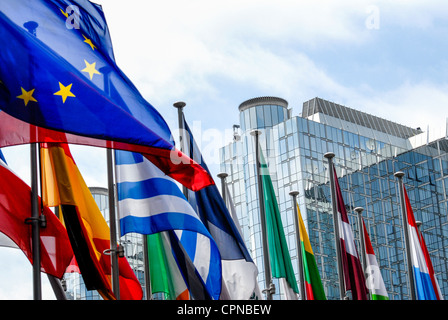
(151, 202)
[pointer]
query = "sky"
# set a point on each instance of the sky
(386, 58)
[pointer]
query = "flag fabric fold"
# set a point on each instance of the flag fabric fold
(86, 227)
(352, 269)
(150, 202)
(313, 283)
(15, 207)
(65, 79)
(375, 282)
(426, 286)
(281, 265)
(238, 269)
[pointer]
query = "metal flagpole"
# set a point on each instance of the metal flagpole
(147, 271)
(270, 288)
(180, 106)
(114, 249)
(299, 246)
(35, 222)
(363, 255)
(337, 238)
(400, 175)
(223, 177)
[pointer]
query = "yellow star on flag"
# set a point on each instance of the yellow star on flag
(27, 96)
(64, 92)
(89, 42)
(64, 13)
(90, 69)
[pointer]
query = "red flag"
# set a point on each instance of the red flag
(353, 274)
(15, 207)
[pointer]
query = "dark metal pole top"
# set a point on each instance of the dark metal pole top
(329, 155)
(222, 175)
(294, 193)
(399, 174)
(359, 210)
(179, 104)
(255, 132)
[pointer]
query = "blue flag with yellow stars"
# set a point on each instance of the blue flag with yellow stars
(57, 71)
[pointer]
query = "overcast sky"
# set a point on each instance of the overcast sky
(387, 58)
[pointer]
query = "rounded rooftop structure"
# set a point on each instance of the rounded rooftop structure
(262, 112)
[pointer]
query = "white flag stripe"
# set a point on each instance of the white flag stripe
(417, 256)
(347, 235)
(153, 206)
(374, 279)
(202, 256)
(138, 172)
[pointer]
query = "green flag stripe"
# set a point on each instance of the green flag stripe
(158, 265)
(312, 274)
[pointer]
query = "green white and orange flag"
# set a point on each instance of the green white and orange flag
(313, 283)
(165, 275)
(374, 280)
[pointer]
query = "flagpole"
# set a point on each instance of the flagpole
(337, 239)
(299, 246)
(114, 250)
(35, 222)
(363, 255)
(223, 177)
(270, 288)
(359, 211)
(400, 175)
(146, 261)
(180, 106)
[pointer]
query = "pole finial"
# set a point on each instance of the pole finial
(294, 193)
(329, 155)
(255, 132)
(399, 174)
(179, 104)
(31, 26)
(222, 175)
(359, 210)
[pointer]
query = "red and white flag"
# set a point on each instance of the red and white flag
(352, 269)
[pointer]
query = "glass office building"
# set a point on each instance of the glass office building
(368, 151)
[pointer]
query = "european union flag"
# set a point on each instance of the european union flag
(57, 72)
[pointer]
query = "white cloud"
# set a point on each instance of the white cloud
(17, 281)
(420, 104)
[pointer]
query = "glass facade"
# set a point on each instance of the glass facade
(368, 151)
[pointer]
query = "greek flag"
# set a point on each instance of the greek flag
(150, 202)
